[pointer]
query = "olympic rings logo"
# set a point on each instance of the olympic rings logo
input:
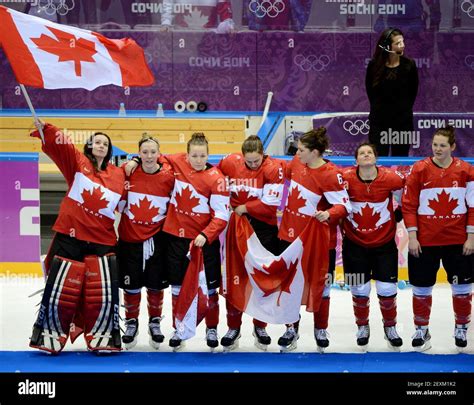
(267, 8)
(312, 62)
(469, 61)
(357, 127)
(468, 8)
(50, 7)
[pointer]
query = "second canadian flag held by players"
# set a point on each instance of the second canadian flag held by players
(55, 56)
(272, 288)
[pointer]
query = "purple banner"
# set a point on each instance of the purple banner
(19, 210)
(348, 130)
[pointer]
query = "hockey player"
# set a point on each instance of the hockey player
(438, 209)
(80, 264)
(199, 212)
(256, 186)
(316, 190)
(142, 245)
(369, 250)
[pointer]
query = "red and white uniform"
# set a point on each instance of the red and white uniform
(260, 190)
(87, 212)
(372, 222)
(312, 190)
(439, 202)
(199, 201)
(146, 203)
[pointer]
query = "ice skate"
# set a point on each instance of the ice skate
(176, 343)
(130, 336)
(211, 338)
(288, 341)
(230, 341)
(154, 330)
(322, 341)
(363, 335)
(394, 341)
(262, 340)
(460, 337)
(421, 339)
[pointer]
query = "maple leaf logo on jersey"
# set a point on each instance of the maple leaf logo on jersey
(143, 211)
(295, 200)
(367, 219)
(243, 195)
(185, 201)
(279, 278)
(82, 51)
(94, 199)
(445, 205)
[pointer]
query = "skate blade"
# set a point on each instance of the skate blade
(391, 347)
(461, 349)
(230, 348)
(153, 344)
(131, 345)
(260, 346)
(364, 348)
(179, 348)
(423, 348)
(290, 348)
(321, 350)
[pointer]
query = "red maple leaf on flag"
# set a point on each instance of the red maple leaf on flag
(143, 211)
(67, 47)
(295, 200)
(243, 195)
(185, 201)
(445, 205)
(367, 219)
(94, 199)
(277, 277)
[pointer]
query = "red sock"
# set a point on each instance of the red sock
(422, 309)
(212, 316)
(259, 324)
(462, 308)
(132, 304)
(155, 303)
(234, 316)
(322, 316)
(388, 307)
(361, 306)
(174, 302)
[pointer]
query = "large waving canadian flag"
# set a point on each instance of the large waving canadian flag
(55, 56)
(193, 299)
(272, 288)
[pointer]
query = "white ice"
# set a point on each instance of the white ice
(18, 313)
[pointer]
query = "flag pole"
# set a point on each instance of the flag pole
(33, 112)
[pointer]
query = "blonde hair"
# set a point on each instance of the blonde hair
(198, 138)
(147, 138)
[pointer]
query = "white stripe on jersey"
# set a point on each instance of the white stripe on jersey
(470, 194)
(338, 197)
(430, 195)
(154, 201)
(380, 207)
(82, 183)
(203, 205)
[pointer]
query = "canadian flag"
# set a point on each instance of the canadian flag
(193, 299)
(55, 56)
(272, 288)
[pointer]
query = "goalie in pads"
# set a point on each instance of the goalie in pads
(81, 293)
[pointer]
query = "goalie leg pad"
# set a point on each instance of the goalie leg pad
(58, 305)
(101, 304)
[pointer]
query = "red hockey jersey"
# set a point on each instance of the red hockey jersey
(260, 190)
(199, 201)
(145, 203)
(312, 190)
(87, 212)
(439, 202)
(372, 222)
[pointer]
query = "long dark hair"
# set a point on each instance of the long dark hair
(381, 55)
(88, 151)
(316, 139)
